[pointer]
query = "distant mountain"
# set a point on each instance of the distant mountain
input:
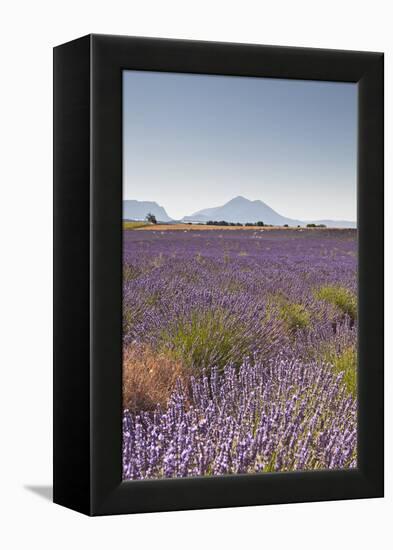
(138, 210)
(237, 210)
(242, 210)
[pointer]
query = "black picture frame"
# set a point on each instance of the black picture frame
(88, 273)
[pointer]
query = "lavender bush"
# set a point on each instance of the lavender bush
(264, 323)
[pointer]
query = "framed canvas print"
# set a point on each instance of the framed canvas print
(218, 275)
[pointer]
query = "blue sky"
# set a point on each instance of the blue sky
(196, 141)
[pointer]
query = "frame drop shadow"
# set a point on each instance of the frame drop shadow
(44, 491)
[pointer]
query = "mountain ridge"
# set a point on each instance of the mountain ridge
(242, 210)
(237, 210)
(138, 210)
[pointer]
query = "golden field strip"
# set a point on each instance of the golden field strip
(142, 226)
(195, 227)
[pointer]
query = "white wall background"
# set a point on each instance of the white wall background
(29, 30)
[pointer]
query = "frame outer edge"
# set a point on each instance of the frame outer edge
(108, 494)
(371, 275)
(71, 286)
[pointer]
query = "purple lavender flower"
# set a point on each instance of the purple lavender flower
(241, 311)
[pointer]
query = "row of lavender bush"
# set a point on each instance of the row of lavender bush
(279, 417)
(266, 323)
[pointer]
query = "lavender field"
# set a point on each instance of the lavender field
(239, 351)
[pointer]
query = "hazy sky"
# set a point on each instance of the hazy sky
(196, 141)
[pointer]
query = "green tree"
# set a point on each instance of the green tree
(151, 218)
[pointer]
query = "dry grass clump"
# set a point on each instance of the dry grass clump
(209, 338)
(342, 298)
(346, 363)
(295, 316)
(149, 377)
